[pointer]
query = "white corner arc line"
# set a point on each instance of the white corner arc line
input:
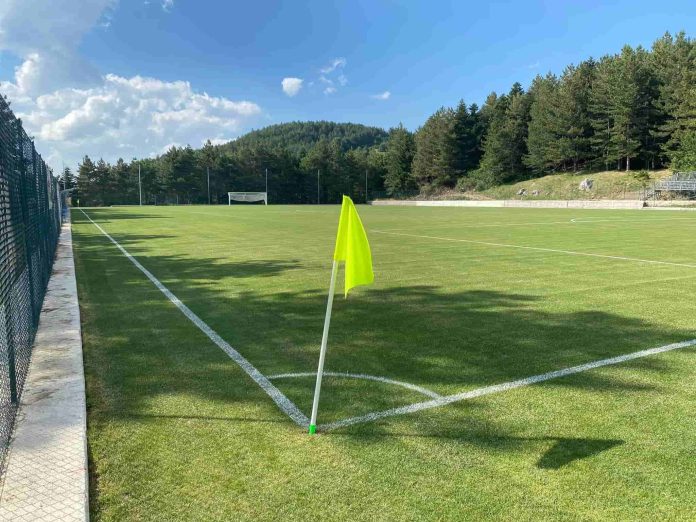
(364, 376)
(497, 388)
(538, 249)
(285, 404)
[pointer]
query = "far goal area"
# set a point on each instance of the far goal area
(247, 197)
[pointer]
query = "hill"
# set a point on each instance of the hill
(298, 137)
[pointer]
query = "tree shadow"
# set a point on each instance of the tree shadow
(211, 418)
(426, 335)
(107, 215)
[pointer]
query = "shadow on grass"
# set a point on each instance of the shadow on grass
(210, 418)
(106, 215)
(567, 450)
(563, 451)
(139, 348)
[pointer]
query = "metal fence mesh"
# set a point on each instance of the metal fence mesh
(29, 229)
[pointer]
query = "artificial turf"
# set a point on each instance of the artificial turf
(177, 431)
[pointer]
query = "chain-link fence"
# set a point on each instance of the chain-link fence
(29, 229)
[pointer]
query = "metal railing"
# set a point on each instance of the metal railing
(29, 230)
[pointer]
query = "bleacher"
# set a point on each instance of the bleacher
(684, 182)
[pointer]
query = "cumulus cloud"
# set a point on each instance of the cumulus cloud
(46, 35)
(167, 5)
(72, 109)
(291, 86)
(330, 90)
(126, 117)
(381, 96)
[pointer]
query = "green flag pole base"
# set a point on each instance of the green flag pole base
(312, 429)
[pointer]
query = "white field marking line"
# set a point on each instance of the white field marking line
(573, 220)
(539, 249)
(285, 404)
(593, 220)
(486, 225)
(488, 390)
(423, 391)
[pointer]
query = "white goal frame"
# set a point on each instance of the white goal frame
(247, 196)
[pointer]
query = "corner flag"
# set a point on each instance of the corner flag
(353, 248)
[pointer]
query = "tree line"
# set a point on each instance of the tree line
(631, 110)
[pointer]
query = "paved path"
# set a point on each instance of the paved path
(46, 476)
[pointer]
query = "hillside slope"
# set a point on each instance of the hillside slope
(298, 137)
(606, 185)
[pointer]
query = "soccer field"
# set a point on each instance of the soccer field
(426, 414)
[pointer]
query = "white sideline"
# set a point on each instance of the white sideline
(538, 249)
(590, 220)
(572, 221)
(449, 399)
(423, 391)
(274, 393)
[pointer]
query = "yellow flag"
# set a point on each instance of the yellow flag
(353, 248)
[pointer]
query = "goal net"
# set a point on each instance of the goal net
(247, 197)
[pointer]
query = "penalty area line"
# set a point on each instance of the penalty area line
(285, 404)
(498, 388)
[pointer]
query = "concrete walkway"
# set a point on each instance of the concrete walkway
(46, 476)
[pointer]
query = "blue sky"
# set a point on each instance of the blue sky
(423, 54)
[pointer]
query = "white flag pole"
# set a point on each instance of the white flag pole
(322, 353)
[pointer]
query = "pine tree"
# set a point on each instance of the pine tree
(86, 183)
(125, 188)
(622, 106)
(543, 133)
(573, 111)
(505, 142)
(398, 159)
(466, 136)
(673, 60)
(435, 157)
(67, 179)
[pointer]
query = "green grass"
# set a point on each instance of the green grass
(178, 432)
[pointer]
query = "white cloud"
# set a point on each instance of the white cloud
(46, 35)
(167, 5)
(332, 75)
(126, 117)
(336, 63)
(72, 109)
(381, 96)
(291, 86)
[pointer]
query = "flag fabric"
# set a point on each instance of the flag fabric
(353, 248)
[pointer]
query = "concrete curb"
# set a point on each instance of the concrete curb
(514, 203)
(46, 476)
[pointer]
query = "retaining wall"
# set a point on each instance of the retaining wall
(515, 203)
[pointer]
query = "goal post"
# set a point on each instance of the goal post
(247, 197)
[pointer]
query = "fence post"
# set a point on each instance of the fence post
(25, 221)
